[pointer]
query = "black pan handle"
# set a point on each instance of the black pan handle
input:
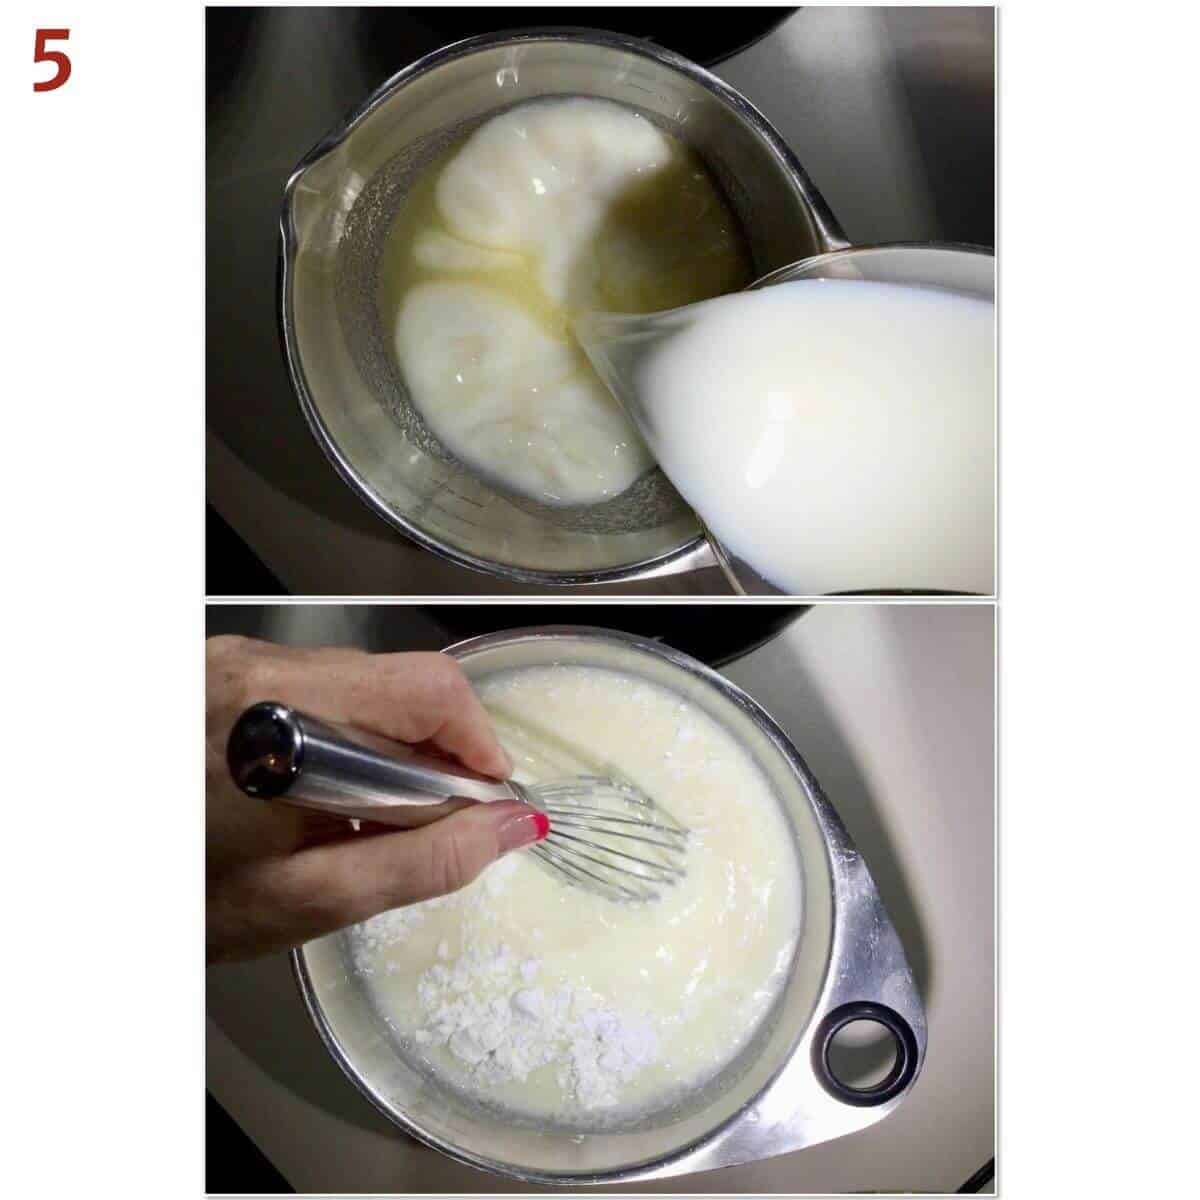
(903, 1070)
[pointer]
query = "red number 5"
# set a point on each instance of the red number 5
(61, 62)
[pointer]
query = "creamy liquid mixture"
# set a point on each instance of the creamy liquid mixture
(554, 1002)
(552, 208)
(838, 435)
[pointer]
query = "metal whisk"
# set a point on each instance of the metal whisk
(609, 837)
(606, 835)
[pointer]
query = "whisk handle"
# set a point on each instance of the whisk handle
(276, 753)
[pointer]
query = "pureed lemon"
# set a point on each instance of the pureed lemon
(554, 208)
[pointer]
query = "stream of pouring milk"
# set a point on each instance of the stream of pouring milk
(838, 435)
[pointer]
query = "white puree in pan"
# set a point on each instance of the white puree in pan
(553, 1002)
(553, 208)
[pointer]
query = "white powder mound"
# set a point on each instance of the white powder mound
(373, 936)
(483, 1009)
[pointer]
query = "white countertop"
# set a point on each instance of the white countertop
(892, 708)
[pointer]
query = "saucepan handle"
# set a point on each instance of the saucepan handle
(903, 1070)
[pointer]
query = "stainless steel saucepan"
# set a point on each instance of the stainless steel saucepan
(781, 1093)
(338, 208)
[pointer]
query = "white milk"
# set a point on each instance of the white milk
(550, 209)
(551, 1001)
(837, 435)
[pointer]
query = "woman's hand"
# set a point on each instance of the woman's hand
(278, 876)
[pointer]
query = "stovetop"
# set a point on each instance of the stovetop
(891, 111)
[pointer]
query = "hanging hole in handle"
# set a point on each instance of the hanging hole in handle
(862, 1054)
(855, 1067)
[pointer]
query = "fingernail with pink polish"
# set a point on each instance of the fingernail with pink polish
(523, 829)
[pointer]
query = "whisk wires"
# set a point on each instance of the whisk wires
(610, 838)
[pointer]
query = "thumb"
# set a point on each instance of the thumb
(344, 882)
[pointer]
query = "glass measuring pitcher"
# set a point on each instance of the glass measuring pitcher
(620, 347)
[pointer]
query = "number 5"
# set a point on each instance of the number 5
(57, 57)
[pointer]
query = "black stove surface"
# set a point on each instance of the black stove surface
(391, 38)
